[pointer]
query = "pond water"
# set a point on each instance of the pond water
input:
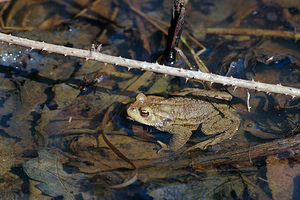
(65, 132)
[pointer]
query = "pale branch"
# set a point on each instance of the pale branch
(154, 67)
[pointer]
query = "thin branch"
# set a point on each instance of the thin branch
(247, 154)
(154, 67)
(255, 32)
(248, 101)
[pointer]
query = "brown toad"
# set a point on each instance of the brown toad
(181, 115)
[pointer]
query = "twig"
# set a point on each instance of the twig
(241, 154)
(248, 101)
(255, 32)
(90, 5)
(188, 74)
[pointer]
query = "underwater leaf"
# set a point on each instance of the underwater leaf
(281, 176)
(47, 169)
(208, 188)
(7, 155)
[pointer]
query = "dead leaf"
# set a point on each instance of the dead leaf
(281, 176)
(54, 181)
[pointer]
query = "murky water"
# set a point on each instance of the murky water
(64, 129)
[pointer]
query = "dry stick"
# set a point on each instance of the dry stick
(241, 154)
(255, 32)
(188, 74)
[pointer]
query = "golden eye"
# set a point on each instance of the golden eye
(144, 113)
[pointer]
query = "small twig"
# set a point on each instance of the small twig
(262, 179)
(90, 5)
(241, 154)
(123, 157)
(248, 101)
(249, 155)
(255, 32)
(154, 67)
(180, 52)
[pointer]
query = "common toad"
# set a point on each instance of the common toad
(182, 115)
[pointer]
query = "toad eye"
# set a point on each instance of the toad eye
(144, 113)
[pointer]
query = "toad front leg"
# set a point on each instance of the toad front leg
(180, 136)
